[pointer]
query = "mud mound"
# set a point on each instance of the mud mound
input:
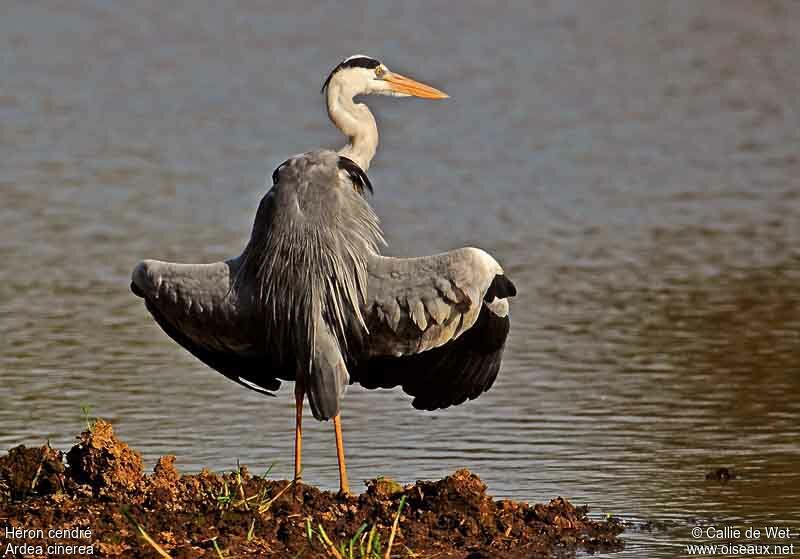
(130, 514)
(103, 462)
(30, 470)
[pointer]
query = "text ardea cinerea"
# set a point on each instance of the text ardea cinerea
(311, 300)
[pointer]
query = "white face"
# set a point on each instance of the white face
(366, 81)
(358, 80)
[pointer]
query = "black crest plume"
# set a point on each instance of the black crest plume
(354, 62)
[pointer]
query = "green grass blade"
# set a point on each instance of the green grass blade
(217, 549)
(394, 528)
(356, 537)
(309, 531)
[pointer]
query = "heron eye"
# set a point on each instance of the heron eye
(379, 72)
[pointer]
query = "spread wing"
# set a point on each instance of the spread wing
(195, 306)
(205, 309)
(437, 326)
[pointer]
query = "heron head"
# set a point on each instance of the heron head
(364, 75)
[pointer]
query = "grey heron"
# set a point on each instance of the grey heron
(311, 300)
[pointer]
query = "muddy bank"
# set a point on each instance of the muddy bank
(100, 498)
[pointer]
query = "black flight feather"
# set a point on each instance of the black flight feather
(447, 375)
(501, 287)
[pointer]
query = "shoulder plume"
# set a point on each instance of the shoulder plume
(357, 175)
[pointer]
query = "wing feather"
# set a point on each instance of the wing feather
(437, 326)
(196, 307)
(417, 304)
(447, 375)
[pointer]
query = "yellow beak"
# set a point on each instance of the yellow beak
(402, 84)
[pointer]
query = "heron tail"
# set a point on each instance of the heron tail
(327, 378)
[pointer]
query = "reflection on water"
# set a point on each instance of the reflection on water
(633, 165)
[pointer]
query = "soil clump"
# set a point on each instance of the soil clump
(102, 488)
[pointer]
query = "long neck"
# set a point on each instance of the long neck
(356, 122)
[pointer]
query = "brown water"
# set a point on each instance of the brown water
(635, 166)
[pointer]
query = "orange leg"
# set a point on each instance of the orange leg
(337, 427)
(298, 430)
